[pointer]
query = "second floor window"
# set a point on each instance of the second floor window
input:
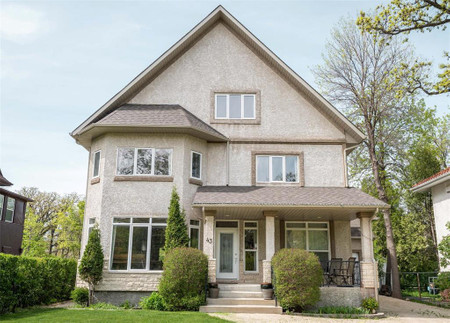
(282, 169)
(144, 161)
(235, 106)
(96, 171)
(10, 208)
(196, 165)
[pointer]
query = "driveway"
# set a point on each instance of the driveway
(396, 310)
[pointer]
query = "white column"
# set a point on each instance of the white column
(270, 245)
(208, 243)
(368, 266)
(366, 237)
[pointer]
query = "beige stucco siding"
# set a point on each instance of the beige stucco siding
(441, 207)
(342, 239)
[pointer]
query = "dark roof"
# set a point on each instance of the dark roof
(15, 195)
(285, 196)
(159, 116)
(4, 181)
(435, 176)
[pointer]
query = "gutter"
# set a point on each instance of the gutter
(303, 206)
(431, 183)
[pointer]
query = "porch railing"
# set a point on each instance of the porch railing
(341, 273)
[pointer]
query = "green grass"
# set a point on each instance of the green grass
(415, 293)
(339, 310)
(89, 315)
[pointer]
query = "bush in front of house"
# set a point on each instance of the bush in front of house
(153, 302)
(298, 275)
(80, 295)
(370, 304)
(27, 281)
(182, 284)
(443, 281)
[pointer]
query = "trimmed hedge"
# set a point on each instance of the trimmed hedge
(183, 282)
(298, 276)
(27, 281)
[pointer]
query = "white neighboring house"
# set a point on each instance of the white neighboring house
(439, 185)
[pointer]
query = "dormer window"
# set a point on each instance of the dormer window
(235, 106)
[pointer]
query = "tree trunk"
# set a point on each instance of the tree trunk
(91, 295)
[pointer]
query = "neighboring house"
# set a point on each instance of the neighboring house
(12, 218)
(439, 185)
(257, 155)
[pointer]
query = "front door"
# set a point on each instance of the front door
(227, 253)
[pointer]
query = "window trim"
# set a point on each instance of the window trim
(194, 226)
(93, 164)
(252, 250)
(307, 229)
(13, 209)
(2, 206)
(153, 161)
(201, 164)
(283, 168)
(227, 112)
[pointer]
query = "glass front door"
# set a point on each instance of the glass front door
(227, 253)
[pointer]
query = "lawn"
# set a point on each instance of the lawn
(86, 315)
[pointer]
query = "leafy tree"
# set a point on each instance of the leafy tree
(176, 231)
(69, 229)
(33, 243)
(91, 265)
(444, 248)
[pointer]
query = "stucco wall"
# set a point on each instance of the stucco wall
(441, 207)
(342, 239)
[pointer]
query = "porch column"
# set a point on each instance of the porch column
(208, 243)
(368, 266)
(270, 245)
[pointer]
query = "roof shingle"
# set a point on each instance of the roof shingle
(439, 174)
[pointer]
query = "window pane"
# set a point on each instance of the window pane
(125, 161)
(121, 220)
(317, 225)
(2, 201)
(251, 239)
(250, 261)
(120, 247)
(296, 239)
(194, 222)
(277, 169)
(159, 220)
(139, 248)
(295, 225)
(96, 163)
(162, 159)
(249, 106)
(318, 240)
(262, 166)
(251, 224)
(92, 221)
(226, 224)
(157, 242)
(323, 256)
(141, 220)
(10, 210)
(193, 243)
(196, 164)
(144, 161)
(235, 106)
(221, 108)
(291, 168)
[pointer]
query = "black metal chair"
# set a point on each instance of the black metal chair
(346, 276)
(332, 271)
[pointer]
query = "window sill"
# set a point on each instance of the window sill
(236, 121)
(95, 180)
(196, 181)
(135, 271)
(278, 184)
(143, 179)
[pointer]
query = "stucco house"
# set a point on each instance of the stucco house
(257, 155)
(439, 186)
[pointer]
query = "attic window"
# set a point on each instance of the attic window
(235, 106)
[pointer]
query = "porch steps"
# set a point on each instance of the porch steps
(240, 298)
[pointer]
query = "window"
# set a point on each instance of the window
(136, 243)
(194, 234)
(144, 161)
(96, 164)
(235, 106)
(10, 206)
(91, 226)
(277, 169)
(251, 246)
(196, 165)
(2, 202)
(311, 236)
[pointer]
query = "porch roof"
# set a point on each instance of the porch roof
(285, 196)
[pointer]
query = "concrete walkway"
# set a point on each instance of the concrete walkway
(396, 311)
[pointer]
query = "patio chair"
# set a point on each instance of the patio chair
(345, 277)
(334, 268)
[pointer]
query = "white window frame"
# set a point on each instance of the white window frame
(2, 206)
(252, 250)
(201, 163)
(227, 117)
(153, 161)
(8, 209)
(91, 225)
(194, 226)
(131, 225)
(93, 164)
(284, 169)
(307, 229)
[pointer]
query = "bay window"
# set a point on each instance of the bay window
(144, 161)
(196, 165)
(283, 169)
(251, 246)
(310, 236)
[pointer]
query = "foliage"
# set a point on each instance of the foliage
(298, 277)
(126, 305)
(27, 281)
(182, 285)
(153, 302)
(370, 304)
(176, 231)
(444, 248)
(443, 281)
(445, 294)
(339, 310)
(80, 295)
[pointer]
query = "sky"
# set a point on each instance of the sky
(61, 60)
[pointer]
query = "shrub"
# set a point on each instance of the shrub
(153, 302)
(370, 304)
(80, 296)
(126, 305)
(176, 230)
(445, 294)
(298, 276)
(443, 281)
(182, 285)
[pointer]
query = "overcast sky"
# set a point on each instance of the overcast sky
(62, 60)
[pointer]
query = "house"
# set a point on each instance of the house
(12, 218)
(439, 185)
(257, 155)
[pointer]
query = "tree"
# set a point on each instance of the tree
(91, 265)
(402, 17)
(444, 248)
(69, 229)
(176, 231)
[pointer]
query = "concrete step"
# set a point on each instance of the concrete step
(239, 294)
(241, 309)
(240, 301)
(240, 287)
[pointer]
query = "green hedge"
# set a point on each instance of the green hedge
(27, 281)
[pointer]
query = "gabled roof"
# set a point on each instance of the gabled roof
(4, 181)
(433, 180)
(186, 42)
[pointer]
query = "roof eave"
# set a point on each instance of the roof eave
(433, 182)
(299, 206)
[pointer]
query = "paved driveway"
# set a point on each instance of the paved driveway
(396, 311)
